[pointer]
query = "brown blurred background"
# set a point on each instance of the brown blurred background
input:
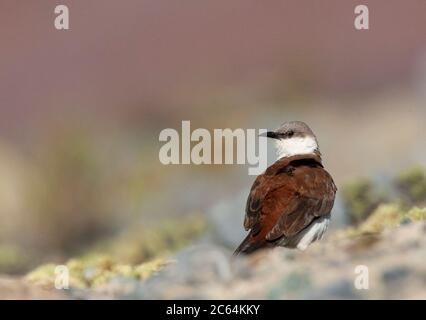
(81, 110)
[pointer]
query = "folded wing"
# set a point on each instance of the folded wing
(287, 197)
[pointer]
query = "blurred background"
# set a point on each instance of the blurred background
(81, 111)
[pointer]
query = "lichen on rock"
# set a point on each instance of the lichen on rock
(388, 215)
(137, 254)
(95, 272)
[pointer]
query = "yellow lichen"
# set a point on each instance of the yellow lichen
(83, 274)
(137, 254)
(389, 215)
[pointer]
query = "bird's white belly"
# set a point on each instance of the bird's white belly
(313, 232)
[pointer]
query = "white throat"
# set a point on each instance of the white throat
(296, 146)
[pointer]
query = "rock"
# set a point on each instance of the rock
(340, 289)
(15, 288)
(326, 270)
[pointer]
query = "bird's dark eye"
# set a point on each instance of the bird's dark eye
(290, 133)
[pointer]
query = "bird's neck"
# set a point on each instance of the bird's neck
(296, 146)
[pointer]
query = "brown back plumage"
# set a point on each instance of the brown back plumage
(286, 199)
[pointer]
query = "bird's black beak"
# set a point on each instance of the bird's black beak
(269, 134)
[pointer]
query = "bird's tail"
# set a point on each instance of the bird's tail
(249, 245)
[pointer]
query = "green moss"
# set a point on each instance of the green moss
(138, 254)
(416, 214)
(43, 275)
(412, 184)
(386, 216)
(145, 270)
(360, 199)
(89, 274)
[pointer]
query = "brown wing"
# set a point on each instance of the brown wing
(313, 198)
(259, 190)
(287, 198)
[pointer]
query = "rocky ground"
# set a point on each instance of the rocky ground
(394, 260)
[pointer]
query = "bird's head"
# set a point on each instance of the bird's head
(294, 138)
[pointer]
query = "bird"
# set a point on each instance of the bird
(289, 205)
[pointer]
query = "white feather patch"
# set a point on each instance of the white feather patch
(314, 232)
(296, 146)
